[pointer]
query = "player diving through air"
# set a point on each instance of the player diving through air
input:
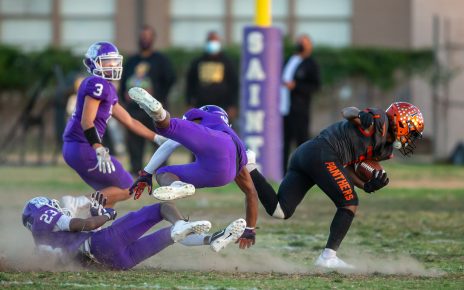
(120, 245)
(220, 157)
(83, 150)
(328, 161)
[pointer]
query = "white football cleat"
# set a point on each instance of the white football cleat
(332, 263)
(220, 240)
(147, 102)
(176, 190)
(181, 229)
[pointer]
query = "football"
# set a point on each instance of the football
(365, 169)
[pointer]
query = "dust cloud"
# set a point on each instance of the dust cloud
(17, 254)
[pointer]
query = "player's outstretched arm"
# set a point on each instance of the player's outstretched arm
(132, 124)
(100, 215)
(245, 183)
(88, 224)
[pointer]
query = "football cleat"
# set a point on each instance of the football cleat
(221, 239)
(147, 102)
(176, 190)
(332, 263)
(181, 229)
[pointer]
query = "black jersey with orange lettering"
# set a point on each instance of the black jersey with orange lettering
(353, 145)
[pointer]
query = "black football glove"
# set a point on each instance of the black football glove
(97, 206)
(379, 180)
(366, 118)
(247, 239)
(143, 181)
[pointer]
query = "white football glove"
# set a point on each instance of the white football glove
(104, 163)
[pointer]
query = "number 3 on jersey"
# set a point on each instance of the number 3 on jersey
(98, 90)
(48, 216)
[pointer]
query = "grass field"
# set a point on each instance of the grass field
(407, 236)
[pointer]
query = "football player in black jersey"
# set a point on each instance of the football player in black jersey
(328, 161)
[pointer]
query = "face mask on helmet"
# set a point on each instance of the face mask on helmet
(103, 60)
(407, 124)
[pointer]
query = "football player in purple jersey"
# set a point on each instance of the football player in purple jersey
(120, 245)
(328, 161)
(220, 157)
(97, 101)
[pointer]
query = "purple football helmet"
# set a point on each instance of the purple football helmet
(103, 60)
(36, 203)
(217, 110)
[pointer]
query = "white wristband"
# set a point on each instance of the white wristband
(249, 228)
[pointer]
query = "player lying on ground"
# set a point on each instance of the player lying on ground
(121, 245)
(97, 101)
(328, 161)
(220, 157)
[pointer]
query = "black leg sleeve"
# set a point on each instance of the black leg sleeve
(340, 225)
(266, 193)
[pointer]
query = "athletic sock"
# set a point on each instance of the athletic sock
(328, 253)
(340, 225)
(266, 193)
(161, 116)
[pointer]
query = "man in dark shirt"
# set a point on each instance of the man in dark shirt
(212, 79)
(300, 81)
(152, 71)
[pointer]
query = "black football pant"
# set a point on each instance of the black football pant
(314, 162)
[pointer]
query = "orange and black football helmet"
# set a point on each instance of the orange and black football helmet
(407, 126)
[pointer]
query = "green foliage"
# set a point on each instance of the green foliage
(13, 63)
(20, 70)
(379, 66)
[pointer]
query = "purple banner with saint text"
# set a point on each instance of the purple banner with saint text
(261, 122)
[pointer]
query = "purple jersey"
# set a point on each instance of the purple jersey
(215, 122)
(43, 228)
(97, 88)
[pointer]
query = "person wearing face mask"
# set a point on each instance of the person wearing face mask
(212, 79)
(300, 80)
(152, 71)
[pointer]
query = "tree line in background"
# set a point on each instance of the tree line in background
(378, 66)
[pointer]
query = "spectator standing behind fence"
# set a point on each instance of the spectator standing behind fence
(212, 79)
(152, 71)
(300, 80)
